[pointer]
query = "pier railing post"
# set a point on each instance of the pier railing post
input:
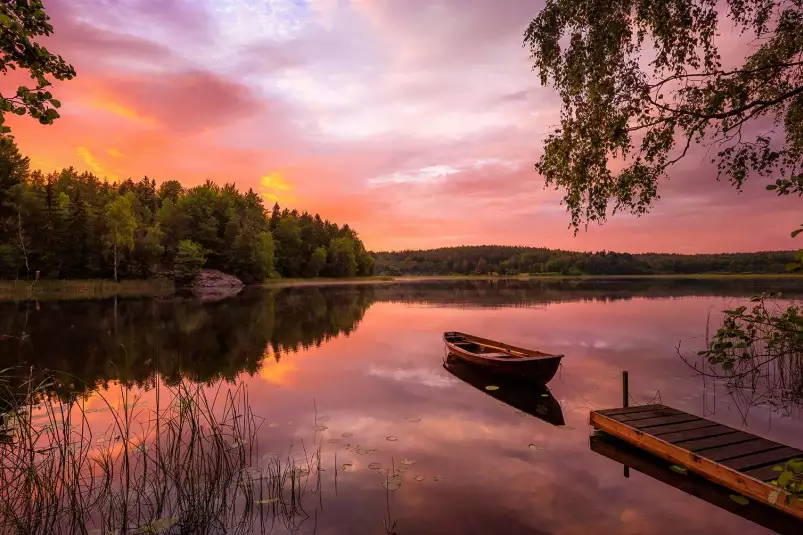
(625, 390)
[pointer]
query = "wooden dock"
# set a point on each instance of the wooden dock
(734, 459)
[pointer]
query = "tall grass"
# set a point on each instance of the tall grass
(188, 465)
(83, 289)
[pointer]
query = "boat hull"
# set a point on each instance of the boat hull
(541, 369)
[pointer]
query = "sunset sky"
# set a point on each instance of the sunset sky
(417, 122)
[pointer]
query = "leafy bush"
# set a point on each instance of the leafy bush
(190, 259)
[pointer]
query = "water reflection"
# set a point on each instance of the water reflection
(360, 365)
(528, 397)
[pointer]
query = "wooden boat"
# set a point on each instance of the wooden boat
(499, 358)
(533, 398)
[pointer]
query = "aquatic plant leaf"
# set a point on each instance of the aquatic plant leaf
(334, 440)
(437, 478)
(323, 418)
(160, 525)
(773, 496)
(266, 501)
(273, 425)
(491, 387)
(544, 395)
(738, 498)
(679, 469)
(407, 462)
(375, 466)
(785, 478)
(347, 467)
(393, 483)
(777, 468)
(537, 447)
(413, 419)
(392, 438)
(346, 434)
(419, 478)
(320, 428)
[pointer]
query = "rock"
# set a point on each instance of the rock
(213, 285)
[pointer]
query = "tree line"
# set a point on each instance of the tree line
(74, 225)
(505, 260)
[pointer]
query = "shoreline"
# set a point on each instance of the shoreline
(101, 288)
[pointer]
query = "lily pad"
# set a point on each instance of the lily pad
(407, 462)
(679, 469)
(437, 478)
(365, 451)
(419, 478)
(320, 428)
(393, 483)
(544, 395)
(374, 466)
(273, 425)
(323, 418)
(537, 447)
(413, 419)
(334, 440)
(738, 498)
(347, 467)
(392, 438)
(266, 501)
(491, 387)
(346, 434)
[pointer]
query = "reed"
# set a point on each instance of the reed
(188, 465)
(83, 289)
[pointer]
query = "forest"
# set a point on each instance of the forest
(71, 225)
(504, 260)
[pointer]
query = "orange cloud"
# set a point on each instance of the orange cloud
(94, 165)
(271, 185)
(114, 153)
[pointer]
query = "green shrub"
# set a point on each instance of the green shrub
(189, 261)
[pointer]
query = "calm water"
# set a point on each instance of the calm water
(368, 361)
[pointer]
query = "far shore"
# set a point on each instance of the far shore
(11, 290)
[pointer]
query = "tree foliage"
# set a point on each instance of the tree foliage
(640, 82)
(21, 23)
(73, 225)
(188, 262)
(505, 260)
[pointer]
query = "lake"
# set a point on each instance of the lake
(346, 386)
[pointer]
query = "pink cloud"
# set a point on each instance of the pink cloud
(335, 98)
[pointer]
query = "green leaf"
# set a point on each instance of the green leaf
(55, 103)
(544, 395)
(491, 387)
(772, 187)
(738, 498)
(679, 469)
(785, 478)
(777, 468)
(5, 20)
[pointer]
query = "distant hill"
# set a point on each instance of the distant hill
(507, 260)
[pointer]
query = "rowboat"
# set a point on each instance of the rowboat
(504, 359)
(531, 398)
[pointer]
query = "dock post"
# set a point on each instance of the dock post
(625, 390)
(625, 404)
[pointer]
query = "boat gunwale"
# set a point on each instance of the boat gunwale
(531, 357)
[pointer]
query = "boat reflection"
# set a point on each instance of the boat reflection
(692, 484)
(533, 398)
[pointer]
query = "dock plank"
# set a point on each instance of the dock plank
(663, 420)
(678, 437)
(685, 426)
(737, 460)
(743, 449)
(717, 441)
(644, 415)
(772, 457)
(628, 410)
